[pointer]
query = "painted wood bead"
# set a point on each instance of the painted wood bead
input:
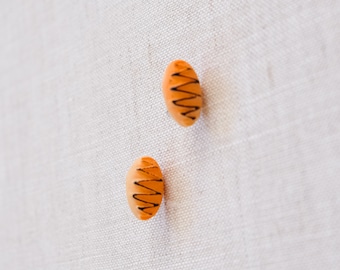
(182, 92)
(144, 187)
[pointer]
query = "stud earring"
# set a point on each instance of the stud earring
(144, 188)
(182, 92)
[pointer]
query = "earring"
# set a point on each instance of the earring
(182, 92)
(144, 187)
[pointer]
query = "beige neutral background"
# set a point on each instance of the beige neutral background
(253, 185)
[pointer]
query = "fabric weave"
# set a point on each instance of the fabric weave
(252, 185)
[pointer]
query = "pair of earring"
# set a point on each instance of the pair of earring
(183, 98)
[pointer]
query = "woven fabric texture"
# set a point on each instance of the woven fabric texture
(254, 184)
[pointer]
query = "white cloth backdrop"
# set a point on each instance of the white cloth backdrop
(254, 184)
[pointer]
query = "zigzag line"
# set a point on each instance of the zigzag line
(152, 193)
(192, 95)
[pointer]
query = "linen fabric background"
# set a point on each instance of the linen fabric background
(254, 184)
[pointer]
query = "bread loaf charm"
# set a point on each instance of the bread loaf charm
(144, 187)
(182, 92)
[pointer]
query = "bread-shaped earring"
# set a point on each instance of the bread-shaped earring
(144, 187)
(182, 92)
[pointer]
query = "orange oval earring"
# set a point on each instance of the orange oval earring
(182, 92)
(144, 187)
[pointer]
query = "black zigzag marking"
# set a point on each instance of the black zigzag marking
(191, 94)
(152, 191)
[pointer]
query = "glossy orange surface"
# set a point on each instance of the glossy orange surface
(182, 93)
(144, 187)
